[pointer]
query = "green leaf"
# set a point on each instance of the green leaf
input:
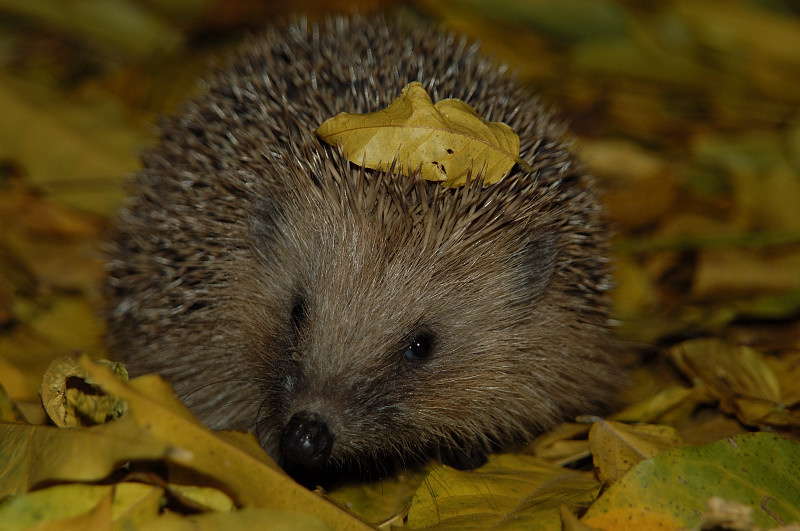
(759, 470)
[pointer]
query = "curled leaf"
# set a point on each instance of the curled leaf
(70, 396)
(447, 141)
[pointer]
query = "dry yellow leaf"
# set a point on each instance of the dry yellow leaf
(98, 519)
(249, 477)
(508, 492)
(742, 380)
(61, 507)
(125, 505)
(380, 503)
(672, 403)
(248, 519)
(566, 443)
(35, 455)
(71, 399)
(157, 428)
(202, 498)
(618, 447)
(136, 503)
(736, 375)
(445, 141)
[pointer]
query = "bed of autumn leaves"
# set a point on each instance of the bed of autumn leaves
(688, 112)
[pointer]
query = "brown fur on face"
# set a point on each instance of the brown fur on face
(266, 276)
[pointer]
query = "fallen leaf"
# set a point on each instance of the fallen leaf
(202, 498)
(669, 490)
(771, 306)
(509, 492)
(618, 447)
(31, 352)
(709, 425)
(136, 503)
(249, 476)
(445, 141)
(68, 266)
(32, 455)
(60, 508)
(632, 518)
(578, 20)
(564, 444)
(158, 428)
(248, 519)
(728, 370)
(71, 399)
(378, 502)
(674, 401)
(787, 370)
(126, 505)
(739, 378)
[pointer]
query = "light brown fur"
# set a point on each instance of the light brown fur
(241, 214)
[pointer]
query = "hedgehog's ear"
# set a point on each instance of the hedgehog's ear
(537, 261)
(267, 222)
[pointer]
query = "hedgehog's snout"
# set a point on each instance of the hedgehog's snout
(306, 441)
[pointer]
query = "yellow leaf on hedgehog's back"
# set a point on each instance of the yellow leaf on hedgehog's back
(444, 141)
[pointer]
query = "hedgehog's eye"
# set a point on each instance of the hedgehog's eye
(420, 347)
(299, 314)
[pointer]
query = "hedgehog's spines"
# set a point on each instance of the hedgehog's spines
(241, 210)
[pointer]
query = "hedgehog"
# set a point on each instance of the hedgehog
(350, 316)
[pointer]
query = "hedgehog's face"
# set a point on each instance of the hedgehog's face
(377, 340)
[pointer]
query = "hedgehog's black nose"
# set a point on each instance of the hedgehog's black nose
(306, 440)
